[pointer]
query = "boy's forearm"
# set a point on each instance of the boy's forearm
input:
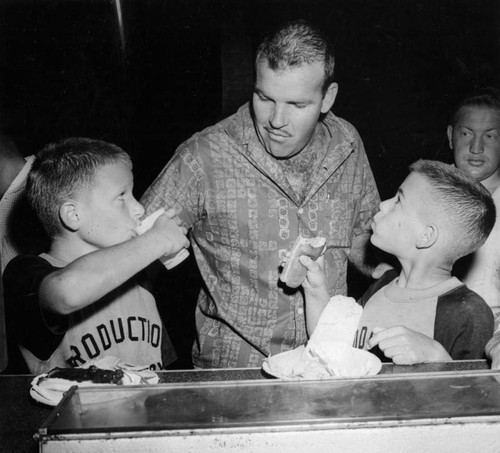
(315, 304)
(92, 276)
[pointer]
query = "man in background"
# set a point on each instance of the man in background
(474, 137)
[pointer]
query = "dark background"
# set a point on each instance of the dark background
(67, 68)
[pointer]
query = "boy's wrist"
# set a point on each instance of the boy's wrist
(440, 355)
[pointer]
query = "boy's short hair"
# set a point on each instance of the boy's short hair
(297, 43)
(486, 98)
(62, 170)
(467, 207)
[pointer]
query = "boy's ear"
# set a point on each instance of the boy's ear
(68, 214)
(428, 237)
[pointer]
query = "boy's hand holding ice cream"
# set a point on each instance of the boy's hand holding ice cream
(167, 225)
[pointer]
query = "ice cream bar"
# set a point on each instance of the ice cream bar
(168, 261)
(148, 222)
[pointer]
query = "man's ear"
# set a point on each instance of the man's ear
(329, 97)
(68, 214)
(449, 132)
(428, 237)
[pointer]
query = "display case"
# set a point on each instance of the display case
(436, 411)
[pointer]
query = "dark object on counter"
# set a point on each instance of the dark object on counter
(92, 373)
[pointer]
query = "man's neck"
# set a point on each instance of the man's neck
(491, 185)
(299, 169)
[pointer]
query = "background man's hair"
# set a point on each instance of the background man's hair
(295, 44)
(62, 170)
(467, 206)
(488, 97)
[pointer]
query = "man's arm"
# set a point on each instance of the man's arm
(90, 277)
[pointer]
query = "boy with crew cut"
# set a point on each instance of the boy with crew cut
(422, 313)
(86, 297)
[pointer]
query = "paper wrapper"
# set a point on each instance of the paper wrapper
(50, 391)
(304, 363)
(329, 352)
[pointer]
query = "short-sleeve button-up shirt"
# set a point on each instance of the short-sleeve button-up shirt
(243, 215)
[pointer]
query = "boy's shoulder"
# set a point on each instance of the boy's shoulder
(26, 260)
(462, 299)
(23, 269)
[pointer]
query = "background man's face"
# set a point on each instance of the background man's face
(287, 105)
(475, 141)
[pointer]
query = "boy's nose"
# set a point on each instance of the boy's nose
(382, 205)
(137, 209)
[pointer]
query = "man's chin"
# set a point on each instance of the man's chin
(281, 152)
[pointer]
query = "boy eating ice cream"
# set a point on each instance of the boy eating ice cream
(84, 298)
(422, 313)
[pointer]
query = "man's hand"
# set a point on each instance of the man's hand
(407, 347)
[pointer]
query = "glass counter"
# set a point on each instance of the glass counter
(457, 411)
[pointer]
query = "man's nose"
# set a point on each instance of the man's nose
(278, 118)
(476, 146)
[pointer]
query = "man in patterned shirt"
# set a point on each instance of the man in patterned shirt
(281, 166)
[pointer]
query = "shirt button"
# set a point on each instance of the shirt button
(300, 311)
(300, 211)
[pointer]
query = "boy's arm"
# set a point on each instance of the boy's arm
(315, 291)
(407, 347)
(90, 277)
